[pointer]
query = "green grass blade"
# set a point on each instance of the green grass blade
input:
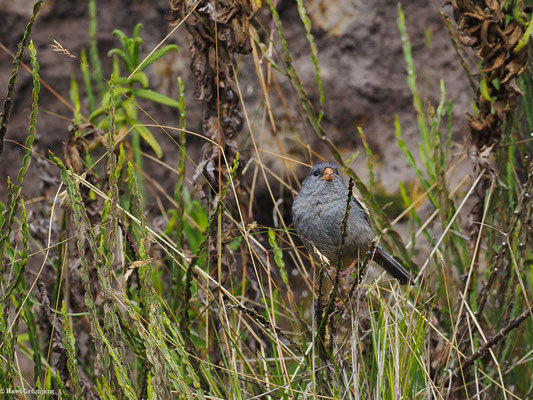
(8, 102)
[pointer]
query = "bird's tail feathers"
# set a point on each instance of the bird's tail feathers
(392, 266)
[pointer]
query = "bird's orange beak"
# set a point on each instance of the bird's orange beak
(328, 174)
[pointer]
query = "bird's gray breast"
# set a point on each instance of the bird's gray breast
(319, 220)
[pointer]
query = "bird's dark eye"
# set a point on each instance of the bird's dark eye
(316, 173)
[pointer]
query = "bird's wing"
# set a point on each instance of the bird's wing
(362, 206)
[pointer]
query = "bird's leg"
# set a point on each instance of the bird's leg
(347, 273)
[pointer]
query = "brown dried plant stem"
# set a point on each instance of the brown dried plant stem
(519, 221)
(218, 30)
(493, 33)
(484, 26)
(491, 342)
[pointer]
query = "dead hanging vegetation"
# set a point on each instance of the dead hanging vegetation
(497, 32)
(219, 30)
(497, 41)
(484, 27)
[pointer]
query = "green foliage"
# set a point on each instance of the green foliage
(72, 361)
(123, 93)
(97, 74)
(278, 255)
(193, 231)
(8, 102)
(178, 305)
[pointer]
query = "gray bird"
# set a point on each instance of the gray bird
(318, 211)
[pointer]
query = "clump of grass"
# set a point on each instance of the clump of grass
(166, 319)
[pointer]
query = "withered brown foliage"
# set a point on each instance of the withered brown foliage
(485, 27)
(218, 31)
(482, 25)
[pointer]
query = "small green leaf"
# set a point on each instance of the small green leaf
(86, 74)
(116, 66)
(278, 255)
(130, 109)
(122, 55)
(104, 124)
(157, 55)
(199, 215)
(525, 38)
(130, 51)
(136, 30)
(96, 113)
(147, 136)
(353, 157)
(135, 53)
(484, 89)
(157, 97)
(117, 93)
(75, 98)
(235, 244)
(121, 35)
(428, 37)
(139, 77)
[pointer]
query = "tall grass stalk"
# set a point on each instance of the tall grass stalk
(144, 309)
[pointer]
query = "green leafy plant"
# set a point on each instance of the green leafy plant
(131, 85)
(166, 319)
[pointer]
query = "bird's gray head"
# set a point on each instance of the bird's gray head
(323, 178)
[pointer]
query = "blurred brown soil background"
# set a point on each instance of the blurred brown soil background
(361, 61)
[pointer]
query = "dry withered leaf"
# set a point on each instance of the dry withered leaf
(499, 107)
(496, 7)
(475, 123)
(82, 139)
(467, 40)
(483, 25)
(212, 64)
(515, 68)
(512, 35)
(498, 62)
